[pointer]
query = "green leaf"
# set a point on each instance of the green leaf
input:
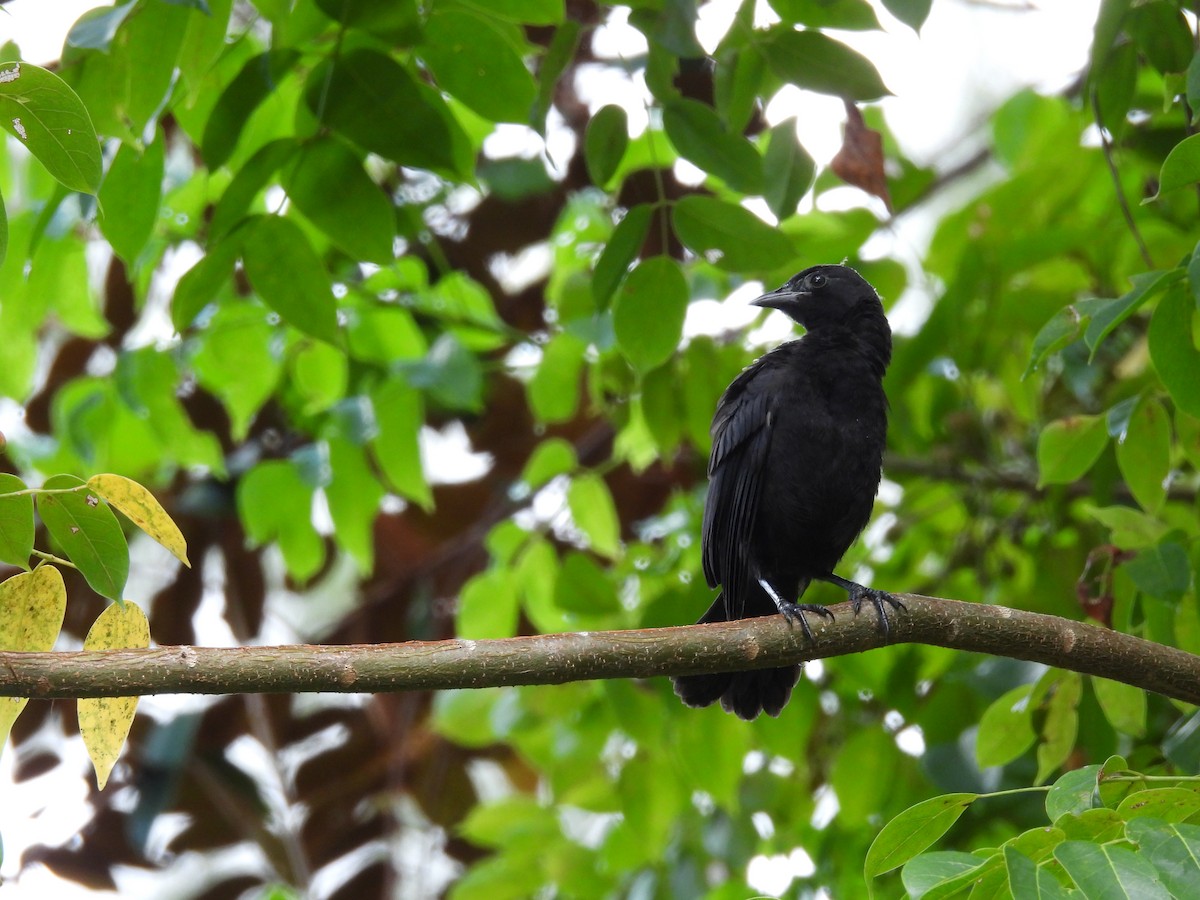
(3, 231)
(249, 180)
(288, 276)
(96, 28)
(377, 103)
(1163, 35)
(928, 871)
(913, 830)
(1103, 870)
(1006, 728)
(1069, 447)
(700, 137)
(552, 457)
(451, 373)
(32, 607)
(104, 722)
(1060, 726)
(398, 21)
(129, 198)
(1187, 435)
(327, 183)
(44, 114)
(789, 170)
(554, 387)
(201, 283)
(595, 514)
(383, 334)
(1073, 793)
(729, 235)
(812, 60)
(649, 311)
(1172, 849)
(1180, 168)
(604, 142)
(399, 414)
(584, 587)
(88, 533)
(1112, 313)
(1161, 571)
(1131, 528)
(478, 61)
(1027, 879)
(250, 87)
(912, 13)
(234, 358)
(1124, 705)
(354, 494)
(487, 606)
(620, 252)
(16, 522)
(1144, 453)
(1172, 804)
(275, 504)
(1173, 348)
(852, 15)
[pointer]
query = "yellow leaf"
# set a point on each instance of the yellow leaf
(32, 605)
(104, 721)
(140, 507)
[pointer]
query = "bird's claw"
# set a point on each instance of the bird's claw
(876, 598)
(794, 612)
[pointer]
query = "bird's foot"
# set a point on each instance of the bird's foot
(879, 599)
(794, 612)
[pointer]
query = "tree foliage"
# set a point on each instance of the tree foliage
(274, 259)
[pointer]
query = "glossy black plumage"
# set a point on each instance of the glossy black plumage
(798, 442)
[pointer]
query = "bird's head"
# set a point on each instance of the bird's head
(824, 295)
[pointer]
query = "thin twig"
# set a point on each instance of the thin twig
(1106, 144)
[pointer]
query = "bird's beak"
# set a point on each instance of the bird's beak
(779, 299)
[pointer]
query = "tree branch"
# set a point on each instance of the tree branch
(558, 658)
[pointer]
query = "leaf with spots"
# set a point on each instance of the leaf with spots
(88, 532)
(143, 510)
(49, 119)
(104, 721)
(32, 605)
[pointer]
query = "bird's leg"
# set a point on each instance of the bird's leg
(860, 592)
(794, 611)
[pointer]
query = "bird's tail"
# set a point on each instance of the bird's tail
(744, 694)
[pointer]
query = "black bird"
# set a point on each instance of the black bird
(797, 456)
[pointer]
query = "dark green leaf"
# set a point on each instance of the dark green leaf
(812, 60)
(851, 15)
(201, 283)
(49, 119)
(554, 388)
(256, 80)
(275, 504)
(1102, 870)
(1027, 879)
(729, 235)
(1112, 313)
(697, 133)
(88, 532)
(1115, 87)
(397, 20)
(531, 12)
(737, 84)
(129, 199)
(250, 179)
(378, 104)
(789, 170)
(554, 62)
(399, 415)
(451, 373)
(913, 830)
(478, 60)
(96, 28)
(912, 13)
(16, 522)
(1068, 448)
(327, 183)
(1162, 33)
(604, 142)
(649, 311)
(1144, 453)
(1173, 348)
(620, 252)
(1162, 571)
(286, 273)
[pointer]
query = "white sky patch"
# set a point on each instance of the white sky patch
(911, 740)
(521, 270)
(447, 455)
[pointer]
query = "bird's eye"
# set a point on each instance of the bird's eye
(816, 280)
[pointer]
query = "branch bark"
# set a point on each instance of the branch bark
(558, 658)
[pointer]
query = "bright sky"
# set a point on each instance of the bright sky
(944, 83)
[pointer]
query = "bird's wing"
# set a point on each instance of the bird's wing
(741, 433)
